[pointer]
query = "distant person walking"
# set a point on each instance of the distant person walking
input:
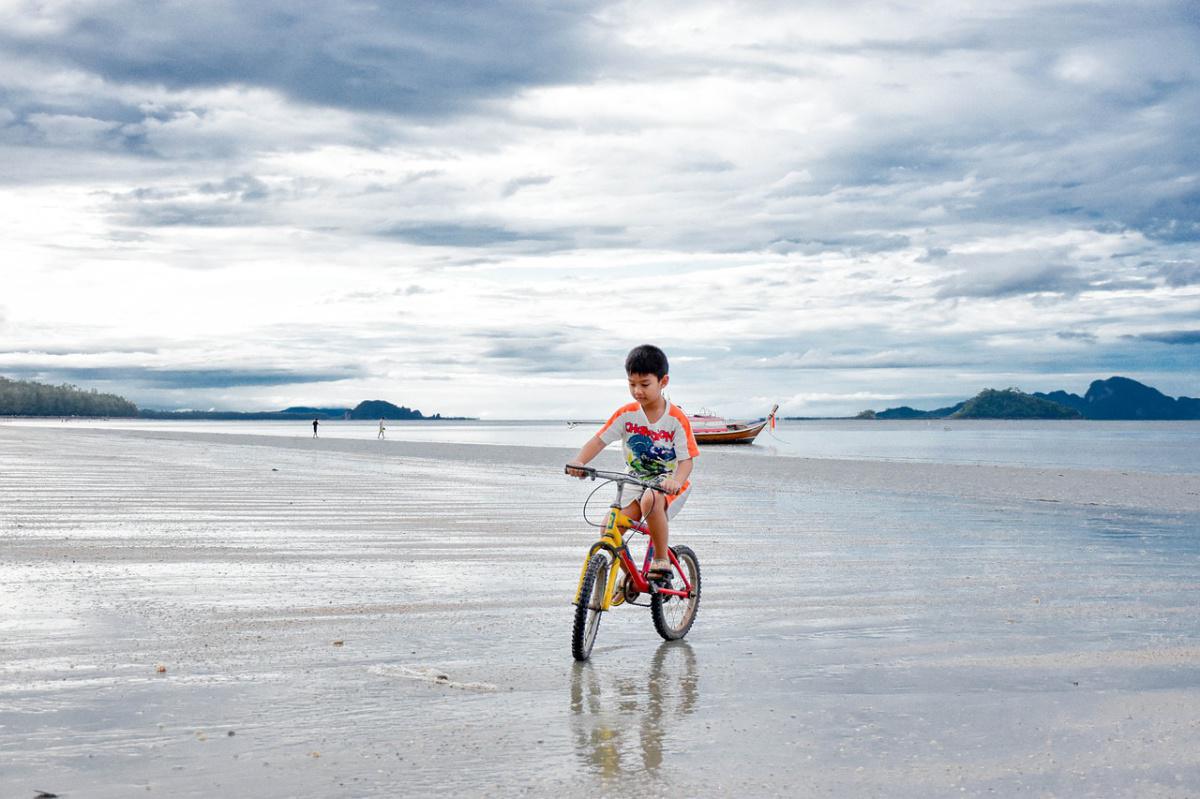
(381, 429)
(315, 423)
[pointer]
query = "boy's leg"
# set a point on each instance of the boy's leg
(652, 508)
(654, 511)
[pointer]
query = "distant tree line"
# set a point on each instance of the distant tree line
(235, 416)
(370, 409)
(27, 398)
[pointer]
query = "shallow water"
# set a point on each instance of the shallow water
(1161, 447)
(849, 642)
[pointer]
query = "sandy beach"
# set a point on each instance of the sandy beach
(196, 615)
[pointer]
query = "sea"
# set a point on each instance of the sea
(1156, 447)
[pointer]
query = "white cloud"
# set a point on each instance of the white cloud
(830, 203)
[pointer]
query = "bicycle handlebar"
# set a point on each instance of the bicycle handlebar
(616, 477)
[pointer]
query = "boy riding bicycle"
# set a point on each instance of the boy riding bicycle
(657, 441)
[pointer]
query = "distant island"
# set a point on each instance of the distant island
(1122, 398)
(1112, 399)
(29, 398)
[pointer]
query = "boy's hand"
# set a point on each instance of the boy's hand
(670, 485)
(574, 470)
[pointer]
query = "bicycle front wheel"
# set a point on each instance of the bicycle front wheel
(673, 615)
(588, 609)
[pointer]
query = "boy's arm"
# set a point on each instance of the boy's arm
(675, 482)
(591, 449)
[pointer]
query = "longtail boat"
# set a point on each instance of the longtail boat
(710, 429)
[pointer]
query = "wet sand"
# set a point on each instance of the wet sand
(360, 618)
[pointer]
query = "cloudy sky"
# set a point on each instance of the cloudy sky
(477, 208)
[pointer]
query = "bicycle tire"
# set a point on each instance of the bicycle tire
(587, 611)
(673, 616)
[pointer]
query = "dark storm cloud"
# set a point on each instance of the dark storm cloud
(1062, 271)
(1180, 275)
(29, 119)
(1175, 219)
(236, 201)
(416, 58)
(1076, 335)
(1014, 281)
(181, 378)
(243, 188)
(1185, 337)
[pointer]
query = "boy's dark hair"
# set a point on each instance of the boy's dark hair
(646, 360)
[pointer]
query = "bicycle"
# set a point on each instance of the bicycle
(672, 608)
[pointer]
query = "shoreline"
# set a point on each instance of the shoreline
(1154, 491)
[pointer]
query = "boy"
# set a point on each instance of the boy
(657, 440)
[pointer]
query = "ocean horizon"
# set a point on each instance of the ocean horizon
(1167, 447)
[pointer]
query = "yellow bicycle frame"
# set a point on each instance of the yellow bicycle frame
(611, 540)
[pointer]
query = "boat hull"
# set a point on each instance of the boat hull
(746, 435)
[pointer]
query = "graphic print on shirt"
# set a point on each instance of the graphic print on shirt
(651, 448)
(644, 456)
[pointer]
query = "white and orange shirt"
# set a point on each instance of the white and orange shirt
(651, 448)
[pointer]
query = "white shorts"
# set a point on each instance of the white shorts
(675, 503)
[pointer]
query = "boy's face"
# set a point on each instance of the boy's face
(647, 389)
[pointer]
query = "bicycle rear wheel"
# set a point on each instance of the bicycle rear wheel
(587, 610)
(673, 616)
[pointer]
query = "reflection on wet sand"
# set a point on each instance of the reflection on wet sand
(605, 711)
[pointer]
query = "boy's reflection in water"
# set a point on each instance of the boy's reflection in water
(607, 708)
